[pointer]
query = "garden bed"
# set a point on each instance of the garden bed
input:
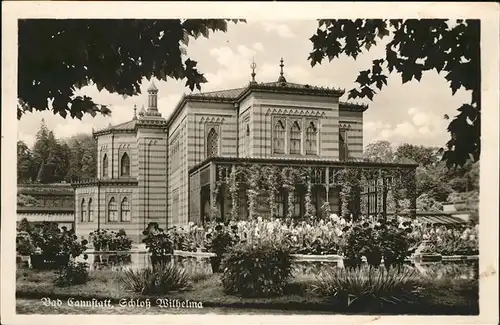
(446, 298)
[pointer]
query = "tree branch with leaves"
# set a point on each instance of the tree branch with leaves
(59, 56)
(415, 46)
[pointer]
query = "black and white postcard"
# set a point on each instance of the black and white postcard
(263, 162)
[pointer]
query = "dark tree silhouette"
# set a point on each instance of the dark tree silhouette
(58, 56)
(416, 46)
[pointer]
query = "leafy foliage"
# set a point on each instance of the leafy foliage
(24, 244)
(104, 239)
(257, 270)
(376, 239)
(452, 241)
(160, 280)
(158, 242)
(74, 273)
(362, 287)
(112, 54)
(219, 238)
(52, 241)
(416, 46)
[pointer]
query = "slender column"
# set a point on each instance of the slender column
(412, 192)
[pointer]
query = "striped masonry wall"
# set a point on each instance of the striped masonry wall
(152, 187)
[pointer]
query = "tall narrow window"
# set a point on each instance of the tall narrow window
(91, 211)
(105, 166)
(125, 165)
(279, 137)
(83, 211)
(343, 149)
(212, 143)
(311, 142)
(112, 210)
(295, 138)
(125, 210)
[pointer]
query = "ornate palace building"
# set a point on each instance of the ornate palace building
(218, 152)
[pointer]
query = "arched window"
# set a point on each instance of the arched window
(212, 143)
(105, 166)
(91, 211)
(125, 165)
(295, 138)
(279, 137)
(343, 149)
(112, 210)
(83, 211)
(125, 210)
(311, 143)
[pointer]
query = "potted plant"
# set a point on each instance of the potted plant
(159, 244)
(122, 244)
(218, 240)
(55, 246)
(101, 239)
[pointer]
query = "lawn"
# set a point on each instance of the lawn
(439, 297)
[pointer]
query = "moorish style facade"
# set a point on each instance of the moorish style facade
(201, 163)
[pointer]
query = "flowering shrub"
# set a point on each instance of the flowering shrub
(158, 242)
(257, 269)
(104, 240)
(24, 244)
(52, 241)
(189, 238)
(451, 241)
(374, 239)
(73, 274)
(101, 239)
(220, 237)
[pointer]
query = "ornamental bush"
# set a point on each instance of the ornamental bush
(391, 240)
(367, 287)
(73, 274)
(259, 269)
(160, 280)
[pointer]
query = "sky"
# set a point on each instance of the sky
(400, 113)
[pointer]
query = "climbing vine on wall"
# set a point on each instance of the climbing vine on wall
(289, 176)
(310, 210)
(271, 178)
(253, 191)
(234, 192)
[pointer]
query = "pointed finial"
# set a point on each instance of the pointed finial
(253, 66)
(282, 77)
(152, 87)
(135, 112)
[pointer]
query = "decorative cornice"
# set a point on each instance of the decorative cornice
(352, 107)
(111, 181)
(297, 112)
(212, 119)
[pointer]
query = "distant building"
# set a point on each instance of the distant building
(46, 202)
(155, 170)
